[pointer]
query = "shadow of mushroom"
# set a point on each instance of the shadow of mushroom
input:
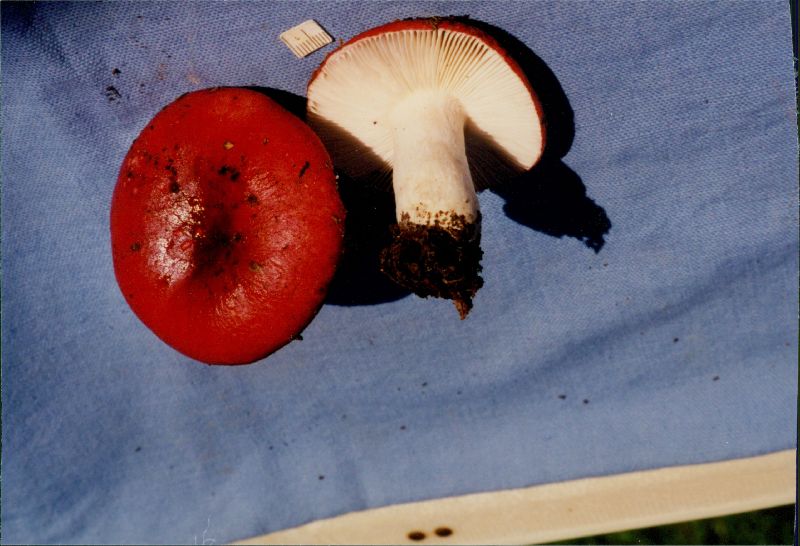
(291, 102)
(551, 198)
(370, 212)
(359, 280)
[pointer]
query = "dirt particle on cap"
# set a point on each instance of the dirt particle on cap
(305, 167)
(227, 145)
(173, 172)
(135, 247)
(231, 172)
(116, 72)
(562, 396)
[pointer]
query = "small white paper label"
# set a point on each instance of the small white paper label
(305, 38)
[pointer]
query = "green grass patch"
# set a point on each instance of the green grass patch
(772, 526)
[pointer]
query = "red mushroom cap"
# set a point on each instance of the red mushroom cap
(226, 225)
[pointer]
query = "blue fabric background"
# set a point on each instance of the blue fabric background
(685, 133)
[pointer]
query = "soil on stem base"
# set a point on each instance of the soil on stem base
(437, 261)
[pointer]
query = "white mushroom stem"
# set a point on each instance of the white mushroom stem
(431, 174)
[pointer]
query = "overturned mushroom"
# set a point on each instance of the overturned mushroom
(444, 107)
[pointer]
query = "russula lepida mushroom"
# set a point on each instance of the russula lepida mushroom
(441, 105)
(226, 225)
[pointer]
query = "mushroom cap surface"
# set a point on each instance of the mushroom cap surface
(226, 225)
(352, 94)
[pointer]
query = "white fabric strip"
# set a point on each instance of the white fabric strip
(565, 510)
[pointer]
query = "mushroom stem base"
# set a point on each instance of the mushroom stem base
(430, 260)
